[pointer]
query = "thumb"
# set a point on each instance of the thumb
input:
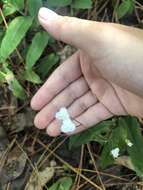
(74, 31)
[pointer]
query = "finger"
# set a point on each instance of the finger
(82, 104)
(76, 108)
(92, 116)
(64, 99)
(60, 79)
(70, 30)
(54, 129)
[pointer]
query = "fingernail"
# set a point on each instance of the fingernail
(47, 14)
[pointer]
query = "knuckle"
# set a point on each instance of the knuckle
(82, 105)
(72, 91)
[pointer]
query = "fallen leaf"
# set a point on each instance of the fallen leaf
(13, 166)
(125, 161)
(38, 181)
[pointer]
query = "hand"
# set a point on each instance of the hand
(81, 86)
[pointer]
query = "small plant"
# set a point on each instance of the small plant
(119, 137)
(22, 42)
(27, 56)
(123, 7)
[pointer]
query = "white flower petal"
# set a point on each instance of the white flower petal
(62, 114)
(115, 152)
(129, 143)
(68, 126)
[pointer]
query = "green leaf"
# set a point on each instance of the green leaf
(126, 7)
(31, 76)
(46, 64)
(17, 89)
(36, 49)
(82, 4)
(135, 151)
(59, 3)
(14, 34)
(117, 139)
(2, 76)
(34, 6)
(1, 36)
(19, 4)
(91, 134)
(13, 83)
(8, 9)
(64, 183)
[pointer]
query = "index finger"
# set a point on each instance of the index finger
(65, 74)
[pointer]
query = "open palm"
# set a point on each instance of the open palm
(80, 84)
(89, 98)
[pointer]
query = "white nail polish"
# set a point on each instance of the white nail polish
(47, 14)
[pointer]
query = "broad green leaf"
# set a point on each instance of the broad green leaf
(64, 183)
(19, 4)
(34, 6)
(1, 36)
(117, 139)
(91, 134)
(17, 89)
(8, 9)
(58, 3)
(46, 64)
(13, 83)
(36, 49)
(82, 4)
(14, 34)
(135, 151)
(31, 76)
(126, 7)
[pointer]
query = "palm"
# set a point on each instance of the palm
(78, 85)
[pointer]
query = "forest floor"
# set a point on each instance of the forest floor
(31, 153)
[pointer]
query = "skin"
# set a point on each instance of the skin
(101, 80)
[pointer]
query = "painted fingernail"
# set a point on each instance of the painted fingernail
(47, 14)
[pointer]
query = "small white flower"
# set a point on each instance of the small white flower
(115, 152)
(62, 114)
(67, 126)
(129, 143)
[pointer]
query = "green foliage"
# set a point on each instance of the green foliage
(46, 64)
(135, 152)
(126, 7)
(2, 77)
(116, 139)
(31, 76)
(17, 89)
(24, 54)
(38, 45)
(57, 3)
(33, 6)
(14, 34)
(64, 183)
(80, 4)
(115, 135)
(16, 3)
(77, 4)
(96, 133)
